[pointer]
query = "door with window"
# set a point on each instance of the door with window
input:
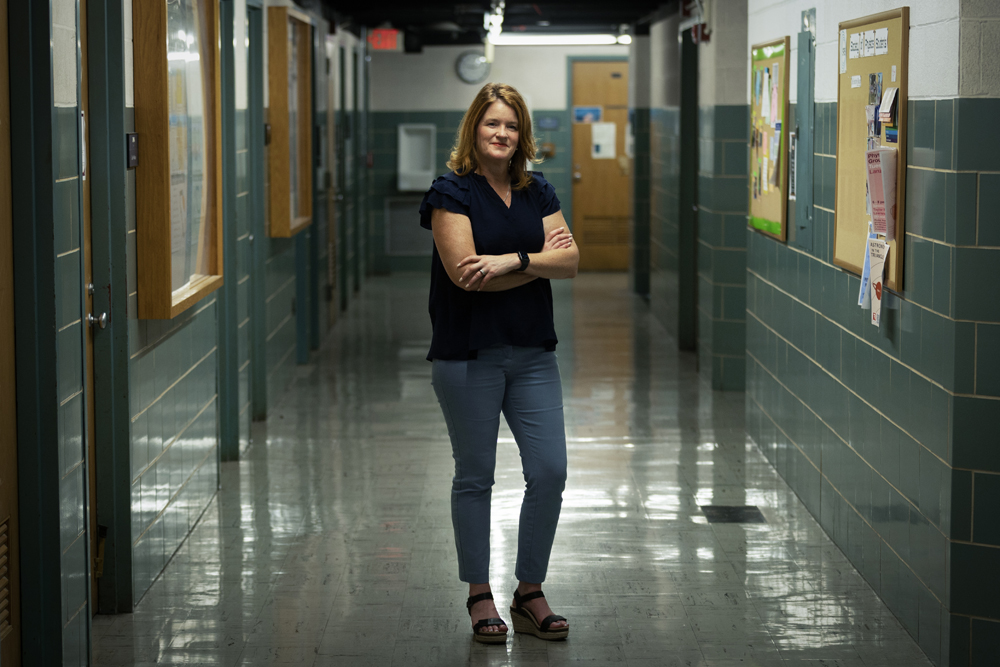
(601, 182)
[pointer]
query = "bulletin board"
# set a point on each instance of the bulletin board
(871, 47)
(769, 137)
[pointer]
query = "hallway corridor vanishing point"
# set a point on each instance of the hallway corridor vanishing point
(330, 543)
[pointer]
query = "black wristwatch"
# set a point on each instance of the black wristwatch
(525, 260)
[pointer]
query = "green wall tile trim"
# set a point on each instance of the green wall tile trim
(985, 227)
(973, 593)
(976, 141)
(985, 520)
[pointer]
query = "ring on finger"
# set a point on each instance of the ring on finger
(482, 272)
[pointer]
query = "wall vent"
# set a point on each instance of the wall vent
(5, 626)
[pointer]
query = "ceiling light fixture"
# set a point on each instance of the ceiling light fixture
(512, 39)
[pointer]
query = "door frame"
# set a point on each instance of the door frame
(33, 205)
(258, 223)
(228, 367)
(570, 60)
(109, 180)
(12, 646)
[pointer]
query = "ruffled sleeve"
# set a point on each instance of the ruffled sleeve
(548, 202)
(450, 192)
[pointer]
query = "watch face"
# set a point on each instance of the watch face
(472, 67)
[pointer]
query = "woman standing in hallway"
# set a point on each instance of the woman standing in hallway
(499, 237)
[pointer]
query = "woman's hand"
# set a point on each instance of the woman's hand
(478, 270)
(558, 239)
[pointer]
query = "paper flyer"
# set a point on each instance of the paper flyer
(602, 141)
(843, 51)
(882, 190)
(864, 296)
(765, 105)
(878, 251)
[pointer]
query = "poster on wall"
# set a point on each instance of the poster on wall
(588, 114)
(602, 141)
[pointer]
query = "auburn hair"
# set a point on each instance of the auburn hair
(463, 155)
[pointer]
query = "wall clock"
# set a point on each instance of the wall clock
(472, 67)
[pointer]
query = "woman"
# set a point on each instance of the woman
(499, 236)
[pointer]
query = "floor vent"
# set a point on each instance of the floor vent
(733, 514)
(5, 627)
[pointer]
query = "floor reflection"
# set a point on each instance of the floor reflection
(331, 542)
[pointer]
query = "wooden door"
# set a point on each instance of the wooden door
(10, 575)
(88, 308)
(601, 184)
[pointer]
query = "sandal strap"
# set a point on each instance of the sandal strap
(527, 597)
(473, 599)
(489, 621)
(549, 620)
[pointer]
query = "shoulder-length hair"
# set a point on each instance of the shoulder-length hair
(463, 155)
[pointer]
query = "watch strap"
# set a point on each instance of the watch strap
(523, 256)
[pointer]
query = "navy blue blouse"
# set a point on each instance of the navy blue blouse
(465, 322)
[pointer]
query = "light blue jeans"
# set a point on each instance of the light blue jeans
(524, 384)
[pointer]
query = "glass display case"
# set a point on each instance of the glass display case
(290, 108)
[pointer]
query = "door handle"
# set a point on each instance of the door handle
(101, 321)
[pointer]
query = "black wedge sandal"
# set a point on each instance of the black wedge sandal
(478, 632)
(524, 621)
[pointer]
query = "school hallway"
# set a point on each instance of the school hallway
(330, 542)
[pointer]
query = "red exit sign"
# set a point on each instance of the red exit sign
(385, 39)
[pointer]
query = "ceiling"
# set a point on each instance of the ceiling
(431, 22)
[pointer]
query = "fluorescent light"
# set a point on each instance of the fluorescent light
(625, 39)
(513, 39)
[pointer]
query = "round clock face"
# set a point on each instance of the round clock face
(472, 67)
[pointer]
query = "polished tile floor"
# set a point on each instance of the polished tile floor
(330, 543)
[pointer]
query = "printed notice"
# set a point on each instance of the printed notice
(881, 41)
(855, 45)
(878, 251)
(856, 81)
(178, 216)
(843, 51)
(602, 141)
(868, 50)
(894, 74)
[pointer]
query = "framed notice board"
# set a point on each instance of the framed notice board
(873, 57)
(289, 76)
(769, 137)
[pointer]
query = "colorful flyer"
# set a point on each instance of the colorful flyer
(864, 296)
(882, 190)
(878, 251)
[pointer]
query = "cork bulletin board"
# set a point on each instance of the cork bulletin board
(769, 137)
(873, 56)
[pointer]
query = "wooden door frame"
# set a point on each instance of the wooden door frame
(570, 61)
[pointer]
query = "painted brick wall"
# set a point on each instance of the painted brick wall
(664, 229)
(722, 234)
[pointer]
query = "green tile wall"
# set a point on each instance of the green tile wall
(173, 375)
(664, 230)
(244, 263)
(888, 435)
(722, 234)
(382, 177)
(639, 267)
